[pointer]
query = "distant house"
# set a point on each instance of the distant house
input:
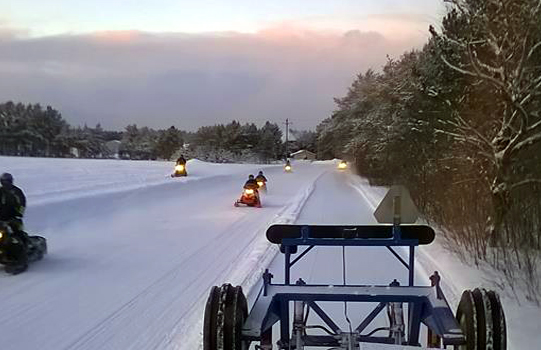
(303, 155)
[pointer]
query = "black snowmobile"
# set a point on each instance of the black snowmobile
(16, 252)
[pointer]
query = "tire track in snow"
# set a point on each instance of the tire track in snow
(87, 339)
(190, 337)
(169, 289)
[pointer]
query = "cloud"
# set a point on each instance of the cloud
(189, 80)
(8, 32)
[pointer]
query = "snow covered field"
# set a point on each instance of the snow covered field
(45, 180)
(133, 252)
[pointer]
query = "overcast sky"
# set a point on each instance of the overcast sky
(192, 63)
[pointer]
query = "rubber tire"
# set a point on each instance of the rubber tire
(466, 316)
(481, 316)
(209, 322)
(498, 321)
(484, 321)
(225, 313)
(235, 313)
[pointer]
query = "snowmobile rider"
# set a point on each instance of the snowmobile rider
(181, 160)
(251, 183)
(12, 204)
(260, 177)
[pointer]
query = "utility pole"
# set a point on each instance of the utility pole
(287, 138)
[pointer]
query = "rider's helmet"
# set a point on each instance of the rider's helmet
(260, 173)
(251, 177)
(6, 179)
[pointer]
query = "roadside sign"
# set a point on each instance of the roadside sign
(397, 207)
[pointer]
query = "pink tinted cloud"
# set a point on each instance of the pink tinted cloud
(189, 80)
(395, 27)
(9, 32)
(116, 36)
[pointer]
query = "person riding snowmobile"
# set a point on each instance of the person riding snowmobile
(261, 177)
(251, 183)
(261, 182)
(287, 167)
(12, 205)
(180, 167)
(17, 248)
(250, 194)
(181, 160)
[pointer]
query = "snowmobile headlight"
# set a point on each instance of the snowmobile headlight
(1, 234)
(288, 167)
(342, 165)
(260, 183)
(179, 167)
(249, 191)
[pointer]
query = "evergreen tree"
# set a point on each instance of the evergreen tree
(169, 142)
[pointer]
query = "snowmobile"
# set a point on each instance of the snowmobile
(262, 185)
(249, 197)
(16, 253)
(287, 167)
(342, 165)
(180, 170)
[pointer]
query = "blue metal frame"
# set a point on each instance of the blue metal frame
(306, 240)
(426, 304)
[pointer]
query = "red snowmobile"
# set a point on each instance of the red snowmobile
(250, 198)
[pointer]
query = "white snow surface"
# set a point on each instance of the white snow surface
(45, 180)
(133, 252)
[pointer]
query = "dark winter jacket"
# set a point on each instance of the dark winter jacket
(251, 184)
(12, 203)
(181, 160)
(261, 178)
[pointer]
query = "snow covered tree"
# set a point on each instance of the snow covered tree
(305, 139)
(459, 123)
(169, 142)
(29, 129)
(270, 142)
(496, 45)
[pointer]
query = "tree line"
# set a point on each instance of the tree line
(34, 130)
(459, 123)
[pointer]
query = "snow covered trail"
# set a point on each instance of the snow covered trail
(126, 268)
(335, 201)
(48, 180)
(342, 198)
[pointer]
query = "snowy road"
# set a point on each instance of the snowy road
(337, 200)
(134, 253)
(129, 269)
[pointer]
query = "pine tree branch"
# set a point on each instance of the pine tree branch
(525, 182)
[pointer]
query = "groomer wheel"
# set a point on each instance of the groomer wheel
(225, 313)
(481, 318)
